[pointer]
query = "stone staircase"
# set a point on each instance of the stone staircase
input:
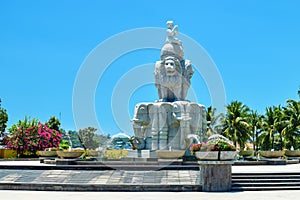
(265, 181)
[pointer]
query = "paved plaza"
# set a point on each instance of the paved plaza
(94, 180)
(120, 178)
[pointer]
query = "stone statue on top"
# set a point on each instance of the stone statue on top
(166, 123)
(172, 72)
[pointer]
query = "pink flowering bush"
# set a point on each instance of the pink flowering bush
(33, 138)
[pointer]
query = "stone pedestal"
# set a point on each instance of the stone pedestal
(277, 161)
(132, 154)
(215, 176)
(141, 154)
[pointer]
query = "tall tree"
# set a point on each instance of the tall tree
(274, 125)
(87, 138)
(236, 126)
(214, 125)
(255, 126)
(292, 112)
(280, 126)
(3, 119)
(267, 137)
(53, 123)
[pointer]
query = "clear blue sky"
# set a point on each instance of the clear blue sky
(43, 44)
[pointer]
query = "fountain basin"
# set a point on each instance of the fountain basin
(47, 153)
(166, 154)
(69, 154)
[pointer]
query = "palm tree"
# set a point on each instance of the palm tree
(236, 126)
(214, 125)
(292, 112)
(267, 137)
(299, 92)
(255, 121)
(281, 125)
(274, 125)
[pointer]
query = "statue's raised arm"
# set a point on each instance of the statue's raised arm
(175, 30)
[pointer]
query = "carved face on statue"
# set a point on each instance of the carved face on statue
(168, 79)
(170, 67)
(170, 24)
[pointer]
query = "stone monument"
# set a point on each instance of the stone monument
(166, 123)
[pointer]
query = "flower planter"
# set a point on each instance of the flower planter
(47, 153)
(271, 154)
(207, 155)
(228, 155)
(292, 153)
(69, 154)
(170, 154)
(93, 153)
(215, 155)
(8, 153)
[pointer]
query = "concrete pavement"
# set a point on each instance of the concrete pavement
(251, 195)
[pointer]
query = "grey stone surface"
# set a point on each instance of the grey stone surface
(215, 177)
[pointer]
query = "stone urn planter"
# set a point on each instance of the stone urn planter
(69, 154)
(292, 153)
(246, 153)
(173, 154)
(47, 153)
(271, 154)
(215, 155)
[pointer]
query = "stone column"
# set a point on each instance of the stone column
(184, 130)
(215, 176)
(194, 111)
(153, 113)
(164, 110)
(163, 138)
(174, 126)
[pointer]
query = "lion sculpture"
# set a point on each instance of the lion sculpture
(172, 79)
